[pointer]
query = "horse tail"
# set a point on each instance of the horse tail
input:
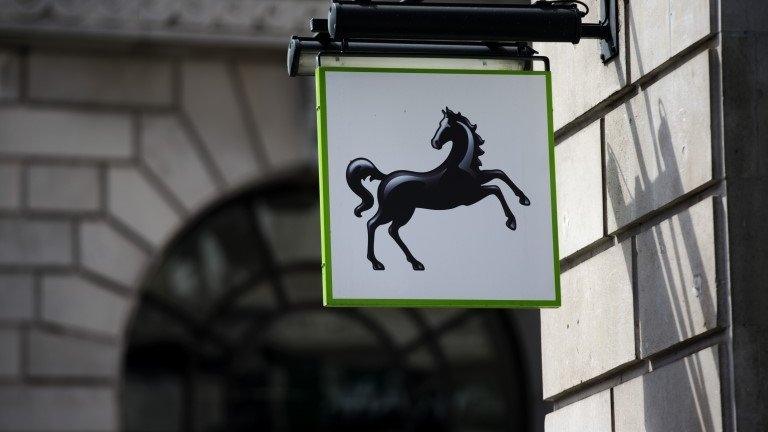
(357, 171)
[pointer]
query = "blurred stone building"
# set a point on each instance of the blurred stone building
(159, 250)
(159, 243)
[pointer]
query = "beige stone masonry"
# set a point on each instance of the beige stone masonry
(578, 162)
(106, 79)
(594, 331)
(683, 396)
(74, 302)
(659, 144)
(659, 29)
(64, 133)
(592, 414)
(66, 188)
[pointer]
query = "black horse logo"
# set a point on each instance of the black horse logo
(457, 181)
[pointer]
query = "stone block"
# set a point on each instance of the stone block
(138, 204)
(10, 353)
(57, 355)
(103, 79)
(58, 408)
(659, 144)
(64, 133)
(285, 129)
(10, 185)
(55, 187)
(9, 75)
(676, 279)
(35, 242)
(594, 330)
(16, 297)
(210, 98)
(683, 396)
(580, 80)
(108, 253)
(75, 302)
(659, 29)
(592, 414)
(578, 164)
(167, 150)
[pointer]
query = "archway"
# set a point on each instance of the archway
(229, 334)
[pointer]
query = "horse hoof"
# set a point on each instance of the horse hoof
(511, 224)
(525, 201)
(378, 266)
(417, 266)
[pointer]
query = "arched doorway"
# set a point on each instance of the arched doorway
(230, 335)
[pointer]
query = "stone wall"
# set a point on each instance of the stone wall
(660, 176)
(642, 340)
(103, 157)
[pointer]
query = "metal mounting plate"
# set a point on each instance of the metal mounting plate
(609, 16)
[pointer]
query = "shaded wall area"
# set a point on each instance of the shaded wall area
(745, 131)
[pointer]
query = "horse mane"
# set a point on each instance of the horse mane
(461, 118)
(477, 141)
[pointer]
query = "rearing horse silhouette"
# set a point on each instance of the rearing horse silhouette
(457, 181)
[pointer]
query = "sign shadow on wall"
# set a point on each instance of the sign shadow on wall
(668, 252)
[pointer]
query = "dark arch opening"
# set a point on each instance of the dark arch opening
(229, 334)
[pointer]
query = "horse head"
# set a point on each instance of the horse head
(446, 130)
(450, 125)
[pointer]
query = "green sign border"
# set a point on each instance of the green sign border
(325, 215)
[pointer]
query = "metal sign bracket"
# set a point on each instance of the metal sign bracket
(609, 18)
(412, 28)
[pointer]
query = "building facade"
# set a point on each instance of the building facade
(124, 124)
(658, 177)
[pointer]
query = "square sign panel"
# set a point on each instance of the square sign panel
(437, 188)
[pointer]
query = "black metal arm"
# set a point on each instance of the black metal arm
(412, 27)
(311, 47)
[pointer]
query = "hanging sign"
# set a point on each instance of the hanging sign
(437, 187)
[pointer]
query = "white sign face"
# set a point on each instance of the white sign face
(437, 188)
